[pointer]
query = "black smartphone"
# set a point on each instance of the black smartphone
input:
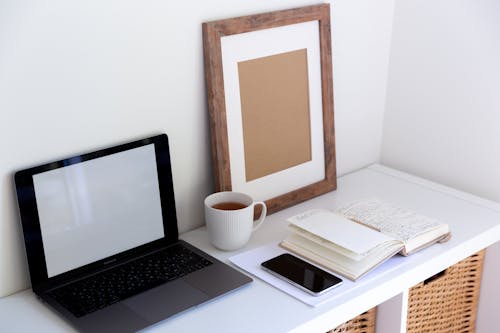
(301, 274)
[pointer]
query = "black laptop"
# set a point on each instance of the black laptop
(102, 243)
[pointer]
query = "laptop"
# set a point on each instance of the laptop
(102, 243)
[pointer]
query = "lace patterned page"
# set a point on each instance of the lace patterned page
(388, 218)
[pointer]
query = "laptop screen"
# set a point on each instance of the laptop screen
(90, 211)
(95, 209)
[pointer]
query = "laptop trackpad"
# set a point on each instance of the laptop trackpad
(166, 300)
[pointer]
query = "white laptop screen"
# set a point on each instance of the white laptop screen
(94, 209)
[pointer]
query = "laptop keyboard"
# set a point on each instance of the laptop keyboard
(99, 291)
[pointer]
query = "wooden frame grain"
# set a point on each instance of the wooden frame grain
(212, 33)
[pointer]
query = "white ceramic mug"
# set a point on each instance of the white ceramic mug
(229, 218)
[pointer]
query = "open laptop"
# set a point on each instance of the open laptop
(101, 238)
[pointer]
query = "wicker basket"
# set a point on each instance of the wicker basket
(447, 302)
(364, 323)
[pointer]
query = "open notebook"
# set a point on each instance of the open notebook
(360, 236)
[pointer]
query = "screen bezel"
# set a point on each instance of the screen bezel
(31, 224)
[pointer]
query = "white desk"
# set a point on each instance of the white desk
(259, 307)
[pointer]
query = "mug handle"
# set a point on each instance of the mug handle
(263, 214)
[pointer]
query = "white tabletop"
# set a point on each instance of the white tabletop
(259, 307)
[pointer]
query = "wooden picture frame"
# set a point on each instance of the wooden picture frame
(232, 44)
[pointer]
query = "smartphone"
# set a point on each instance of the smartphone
(301, 274)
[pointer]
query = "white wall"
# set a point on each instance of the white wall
(361, 32)
(80, 75)
(442, 119)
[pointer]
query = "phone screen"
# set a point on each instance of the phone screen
(302, 274)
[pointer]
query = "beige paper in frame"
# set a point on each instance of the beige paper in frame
(274, 93)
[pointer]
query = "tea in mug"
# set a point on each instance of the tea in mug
(230, 205)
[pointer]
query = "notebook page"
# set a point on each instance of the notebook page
(389, 219)
(339, 230)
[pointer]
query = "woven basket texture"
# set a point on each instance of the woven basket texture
(448, 301)
(364, 323)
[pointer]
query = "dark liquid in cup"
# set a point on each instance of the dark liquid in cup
(229, 205)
